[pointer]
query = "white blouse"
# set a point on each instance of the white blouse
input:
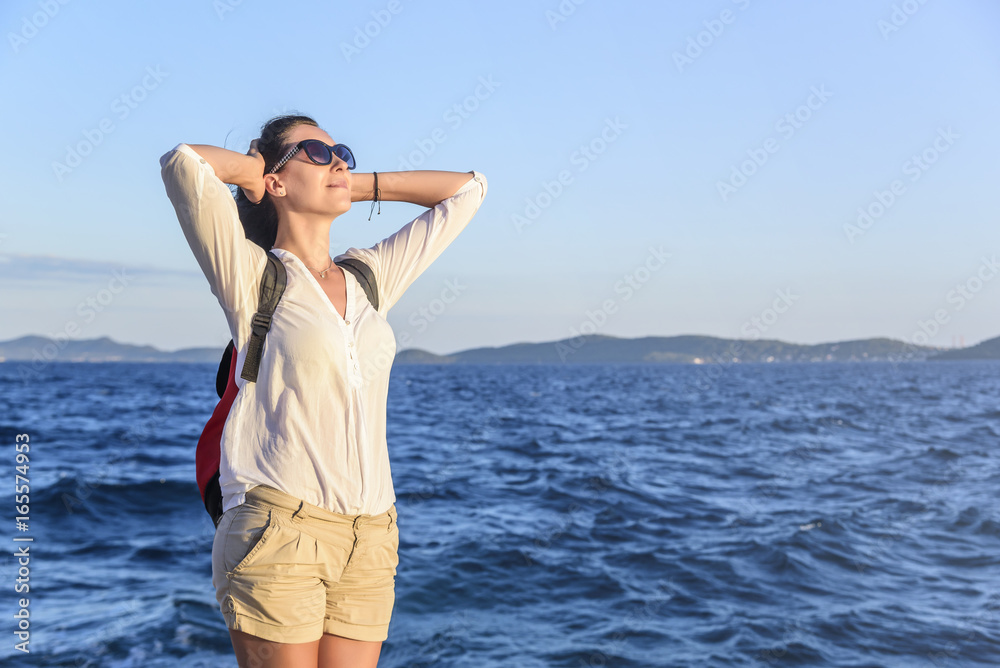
(313, 424)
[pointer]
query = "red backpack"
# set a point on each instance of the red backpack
(272, 285)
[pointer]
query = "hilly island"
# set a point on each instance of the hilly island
(585, 349)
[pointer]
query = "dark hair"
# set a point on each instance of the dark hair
(260, 221)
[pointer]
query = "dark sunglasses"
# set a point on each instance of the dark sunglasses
(319, 153)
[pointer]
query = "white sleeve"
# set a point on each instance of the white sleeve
(207, 214)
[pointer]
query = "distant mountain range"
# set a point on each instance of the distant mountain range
(589, 349)
(42, 349)
(986, 350)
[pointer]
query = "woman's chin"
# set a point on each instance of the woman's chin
(338, 209)
(340, 195)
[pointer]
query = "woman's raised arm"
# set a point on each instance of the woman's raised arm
(401, 257)
(243, 170)
(208, 216)
(425, 187)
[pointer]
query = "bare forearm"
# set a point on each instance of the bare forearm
(230, 166)
(424, 187)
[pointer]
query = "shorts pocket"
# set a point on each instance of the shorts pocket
(393, 554)
(248, 533)
(219, 546)
(386, 551)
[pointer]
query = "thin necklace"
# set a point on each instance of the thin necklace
(322, 274)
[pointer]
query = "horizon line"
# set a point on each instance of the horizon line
(222, 346)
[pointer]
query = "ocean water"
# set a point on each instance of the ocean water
(719, 515)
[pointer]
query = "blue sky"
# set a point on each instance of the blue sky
(654, 168)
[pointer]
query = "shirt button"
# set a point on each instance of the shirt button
(347, 322)
(350, 344)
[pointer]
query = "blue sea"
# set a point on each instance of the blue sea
(578, 515)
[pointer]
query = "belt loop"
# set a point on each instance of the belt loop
(391, 520)
(298, 511)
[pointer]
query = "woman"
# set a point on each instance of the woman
(305, 555)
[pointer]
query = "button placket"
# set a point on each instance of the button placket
(353, 366)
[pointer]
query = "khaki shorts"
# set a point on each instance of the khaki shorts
(288, 571)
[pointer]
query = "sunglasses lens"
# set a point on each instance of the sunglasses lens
(318, 152)
(344, 154)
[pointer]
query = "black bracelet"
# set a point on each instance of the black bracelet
(375, 198)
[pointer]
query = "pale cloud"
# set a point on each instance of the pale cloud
(27, 270)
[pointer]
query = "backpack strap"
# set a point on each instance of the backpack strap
(365, 277)
(272, 284)
(224, 372)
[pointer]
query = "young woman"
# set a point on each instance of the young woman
(305, 555)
